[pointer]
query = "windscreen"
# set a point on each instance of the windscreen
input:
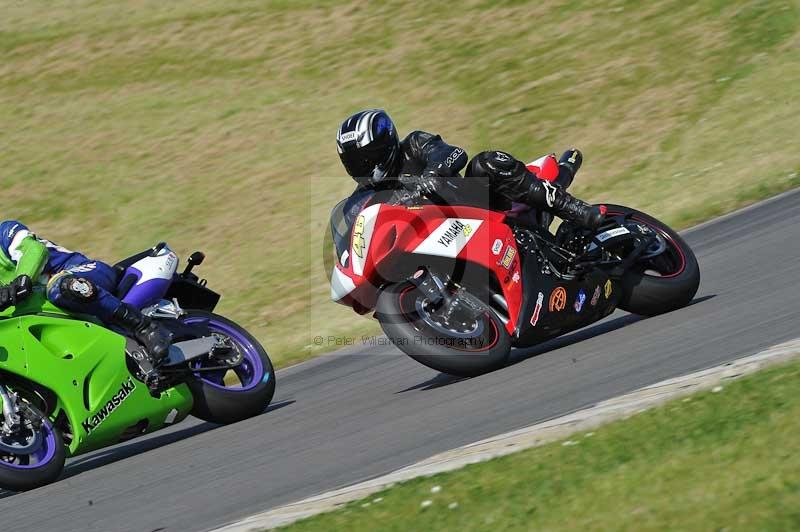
(343, 217)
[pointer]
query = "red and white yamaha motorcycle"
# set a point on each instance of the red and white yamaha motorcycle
(456, 287)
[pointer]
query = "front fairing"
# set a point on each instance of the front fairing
(388, 243)
(344, 215)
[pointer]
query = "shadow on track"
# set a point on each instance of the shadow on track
(580, 335)
(133, 448)
(520, 355)
(697, 300)
(442, 379)
(136, 446)
(140, 446)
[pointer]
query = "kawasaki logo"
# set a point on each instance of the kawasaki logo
(94, 421)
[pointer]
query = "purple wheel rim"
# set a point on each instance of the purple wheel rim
(43, 455)
(251, 370)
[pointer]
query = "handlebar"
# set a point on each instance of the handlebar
(195, 259)
(411, 198)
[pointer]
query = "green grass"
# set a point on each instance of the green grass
(713, 461)
(210, 123)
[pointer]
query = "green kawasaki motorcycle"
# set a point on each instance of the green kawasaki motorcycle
(70, 384)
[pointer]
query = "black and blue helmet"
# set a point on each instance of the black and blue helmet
(368, 146)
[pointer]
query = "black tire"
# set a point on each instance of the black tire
(219, 405)
(35, 477)
(411, 335)
(647, 294)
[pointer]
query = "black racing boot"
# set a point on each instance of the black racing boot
(582, 213)
(545, 195)
(155, 338)
(568, 165)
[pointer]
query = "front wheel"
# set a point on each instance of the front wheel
(662, 283)
(462, 347)
(33, 455)
(231, 395)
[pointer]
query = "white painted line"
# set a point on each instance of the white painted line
(535, 435)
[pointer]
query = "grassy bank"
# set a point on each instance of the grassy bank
(210, 124)
(713, 461)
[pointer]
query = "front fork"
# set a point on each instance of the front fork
(18, 417)
(437, 293)
(11, 419)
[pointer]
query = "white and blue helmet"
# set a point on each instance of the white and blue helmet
(368, 146)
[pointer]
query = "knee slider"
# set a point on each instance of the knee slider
(77, 289)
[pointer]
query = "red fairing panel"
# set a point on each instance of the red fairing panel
(545, 168)
(490, 237)
(453, 232)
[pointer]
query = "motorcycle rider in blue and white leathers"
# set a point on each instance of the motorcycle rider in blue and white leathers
(74, 282)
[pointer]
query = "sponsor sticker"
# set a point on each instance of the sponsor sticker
(580, 300)
(608, 289)
(456, 228)
(558, 299)
(611, 233)
(537, 309)
(448, 239)
(358, 236)
(172, 262)
(508, 257)
(595, 296)
(95, 420)
(515, 277)
(497, 247)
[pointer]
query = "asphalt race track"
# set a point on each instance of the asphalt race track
(351, 416)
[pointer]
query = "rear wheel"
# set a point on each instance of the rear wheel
(465, 346)
(33, 455)
(664, 282)
(231, 395)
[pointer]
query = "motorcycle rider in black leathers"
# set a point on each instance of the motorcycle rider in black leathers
(377, 160)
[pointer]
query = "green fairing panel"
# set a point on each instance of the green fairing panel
(84, 364)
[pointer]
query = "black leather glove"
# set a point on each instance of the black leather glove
(426, 184)
(16, 291)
